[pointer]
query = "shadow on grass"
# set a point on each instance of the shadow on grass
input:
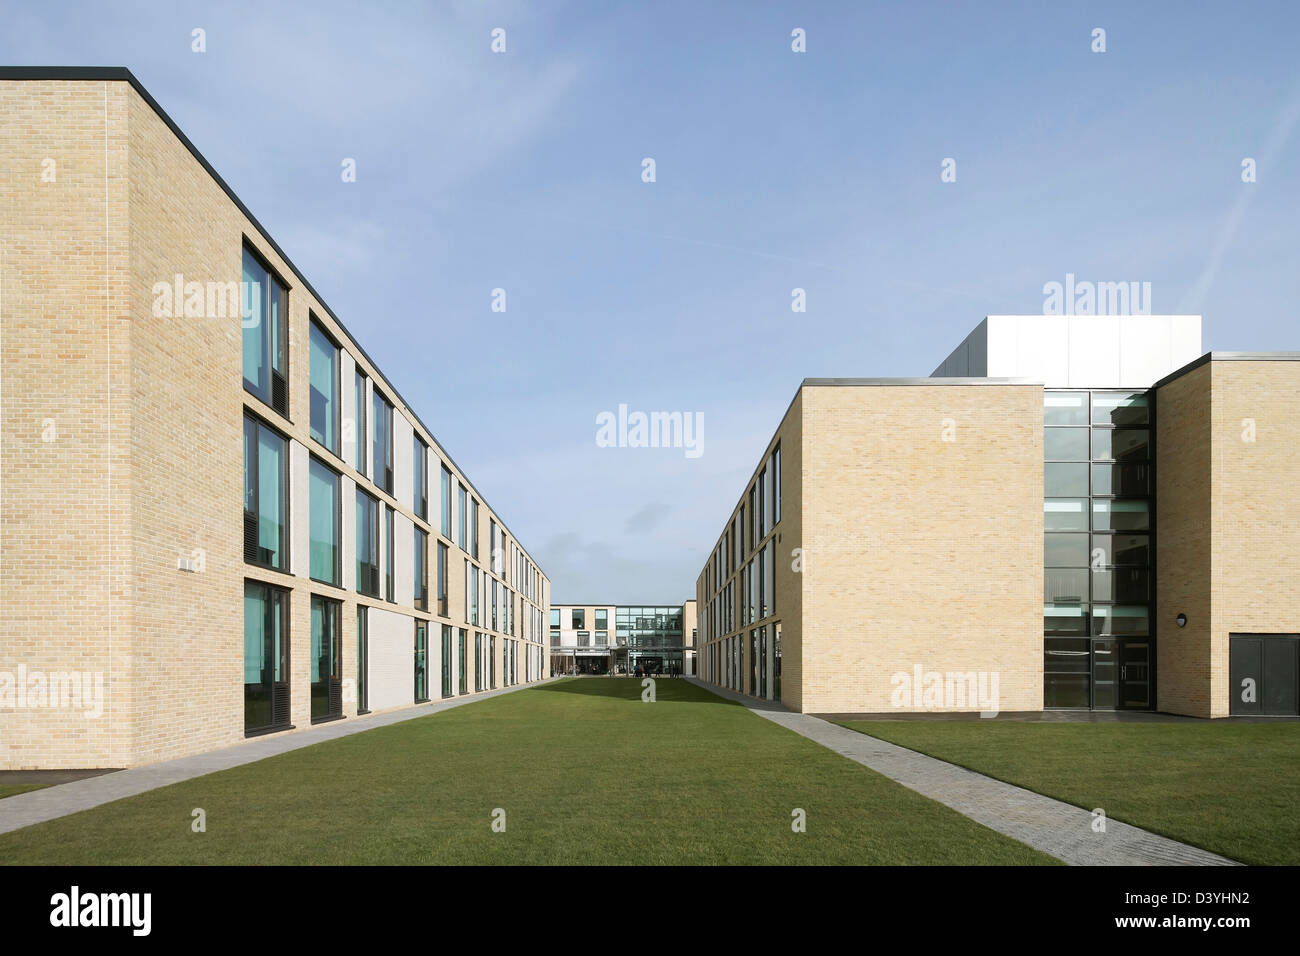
(668, 689)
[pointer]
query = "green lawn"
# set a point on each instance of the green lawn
(1228, 787)
(585, 771)
(9, 789)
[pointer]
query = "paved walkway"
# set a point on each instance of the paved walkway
(37, 806)
(1060, 829)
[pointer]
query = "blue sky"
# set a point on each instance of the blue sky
(775, 170)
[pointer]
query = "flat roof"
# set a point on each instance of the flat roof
(122, 75)
(975, 380)
(1228, 357)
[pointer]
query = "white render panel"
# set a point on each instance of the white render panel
(1184, 340)
(392, 659)
(1093, 347)
(1078, 351)
(1042, 345)
(299, 510)
(1146, 349)
(403, 560)
(347, 407)
(348, 534)
(403, 440)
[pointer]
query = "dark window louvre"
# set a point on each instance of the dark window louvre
(279, 394)
(280, 705)
(250, 537)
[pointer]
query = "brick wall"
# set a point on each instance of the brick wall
(923, 530)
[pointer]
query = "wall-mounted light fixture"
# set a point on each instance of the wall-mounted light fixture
(1181, 619)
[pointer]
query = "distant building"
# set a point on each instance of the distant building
(620, 639)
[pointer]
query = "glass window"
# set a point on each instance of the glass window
(389, 554)
(776, 492)
(442, 579)
(359, 403)
(769, 572)
(1121, 514)
(1120, 409)
(1065, 514)
(1065, 619)
(463, 683)
(1121, 444)
(1066, 673)
(602, 618)
(473, 529)
(421, 661)
(584, 639)
(1122, 586)
(266, 657)
(1123, 549)
(1065, 444)
(1065, 408)
(1065, 478)
(381, 415)
(326, 659)
(324, 389)
(579, 618)
(1065, 550)
(363, 666)
(266, 481)
(1065, 586)
(421, 570)
(555, 617)
(367, 544)
(265, 333)
(1121, 479)
(473, 594)
(1120, 621)
(446, 659)
(463, 518)
(446, 503)
(420, 480)
(323, 494)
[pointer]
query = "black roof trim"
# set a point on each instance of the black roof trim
(121, 74)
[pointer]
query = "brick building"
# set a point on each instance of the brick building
(1078, 512)
(204, 474)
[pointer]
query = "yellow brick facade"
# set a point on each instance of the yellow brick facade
(1228, 466)
(911, 536)
(121, 444)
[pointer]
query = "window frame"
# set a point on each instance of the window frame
(315, 326)
(313, 459)
(258, 424)
(372, 507)
(273, 280)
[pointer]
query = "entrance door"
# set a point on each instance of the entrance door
(1105, 674)
(1134, 674)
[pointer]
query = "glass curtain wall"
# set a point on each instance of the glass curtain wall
(1097, 550)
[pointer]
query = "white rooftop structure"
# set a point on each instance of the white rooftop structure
(1077, 351)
